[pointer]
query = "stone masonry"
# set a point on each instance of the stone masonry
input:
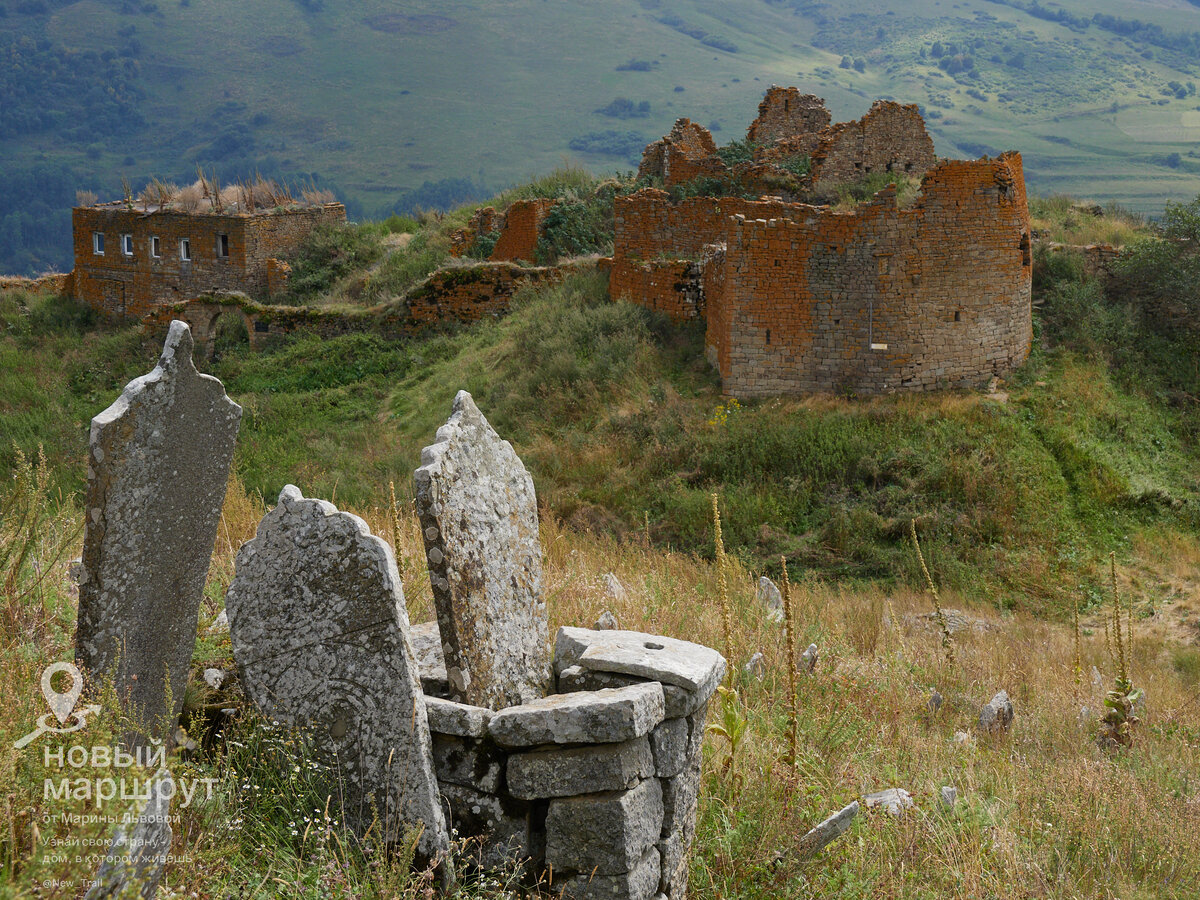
(798, 298)
(787, 115)
(595, 787)
(224, 252)
(686, 153)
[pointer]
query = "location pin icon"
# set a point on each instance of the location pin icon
(61, 704)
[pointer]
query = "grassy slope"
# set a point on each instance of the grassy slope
(496, 92)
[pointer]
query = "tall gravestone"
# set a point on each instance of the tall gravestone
(478, 515)
(320, 635)
(158, 464)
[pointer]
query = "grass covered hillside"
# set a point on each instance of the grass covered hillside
(434, 104)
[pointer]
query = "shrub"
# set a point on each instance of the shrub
(328, 254)
(624, 108)
(575, 227)
(609, 143)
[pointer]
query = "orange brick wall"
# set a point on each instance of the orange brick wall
(522, 228)
(945, 285)
(794, 295)
(786, 113)
(121, 285)
(889, 138)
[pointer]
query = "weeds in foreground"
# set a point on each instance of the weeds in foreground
(1120, 719)
(947, 641)
(789, 643)
(722, 583)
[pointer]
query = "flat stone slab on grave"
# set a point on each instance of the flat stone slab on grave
(319, 631)
(478, 515)
(158, 464)
(680, 702)
(691, 666)
(593, 717)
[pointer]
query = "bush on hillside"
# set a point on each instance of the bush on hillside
(328, 254)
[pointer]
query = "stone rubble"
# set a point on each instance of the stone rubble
(894, 800)
(996, 716)
(828, 831)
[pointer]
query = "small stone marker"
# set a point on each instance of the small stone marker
(607, 622)
(894, 800)
(613, 587)
(832, 828)
(949, 796)
(478, 514)
(997, 715)
(319, 631)
(134, 863)
(756, 667)
(935, 702)
(158, 464)
(808, 659)
(771, 598)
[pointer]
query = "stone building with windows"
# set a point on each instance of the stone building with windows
(131, 259)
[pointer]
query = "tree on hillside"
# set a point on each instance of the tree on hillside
(1164, 271)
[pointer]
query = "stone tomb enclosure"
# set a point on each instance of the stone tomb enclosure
(596, 786)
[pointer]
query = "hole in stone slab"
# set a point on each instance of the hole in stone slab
(650, 645)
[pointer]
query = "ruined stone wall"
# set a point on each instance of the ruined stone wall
(464, 294)
(686, 153)
(654, 239)
(880, 299)
(522, 228)
(786, 113)
(889, 138)
(135, 285)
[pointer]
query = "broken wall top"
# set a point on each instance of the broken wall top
(786, 113)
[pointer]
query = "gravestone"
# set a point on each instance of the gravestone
(478, 516)
(137, 855)
(320, 633)
(158, 464)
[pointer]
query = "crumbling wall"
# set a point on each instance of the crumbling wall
(881, 298)
(655, 241)
(889, 138)
(520, 229)
(785, 113)
(134, 285)
(688, 152)
(464, 294)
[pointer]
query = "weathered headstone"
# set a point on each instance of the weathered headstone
(137, 855)
(319, 631)
(478, 514)
(894, 800)
(771, 598)
(158, 464)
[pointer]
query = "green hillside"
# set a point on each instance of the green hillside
(433, 104)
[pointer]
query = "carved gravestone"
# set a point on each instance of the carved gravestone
(320, 634)
(158, 464)
(479, 518)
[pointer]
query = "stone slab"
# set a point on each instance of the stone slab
(681, 795)
(469, 762)
(320, 634)
(502, 821)
(640, 884)
(158, 464)
(691, 666)
(427, 645)
(592, 717)
(673, 851)
(478, 514)
(449, 717)
(833, 827)
(604, 834)
(579, 770)
(137, 856)
(670, 742)
(679, 702)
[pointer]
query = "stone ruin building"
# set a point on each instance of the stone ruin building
(800, 297)
(578, 765)
(133, 258)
